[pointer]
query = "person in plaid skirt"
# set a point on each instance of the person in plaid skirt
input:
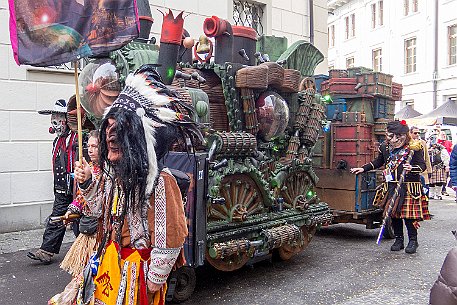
(439, 159)
(411, 204)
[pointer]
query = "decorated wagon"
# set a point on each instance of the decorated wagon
(252, 181)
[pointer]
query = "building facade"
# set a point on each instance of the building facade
(414, 40)
(25, 145)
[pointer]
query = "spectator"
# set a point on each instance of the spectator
(414, 132)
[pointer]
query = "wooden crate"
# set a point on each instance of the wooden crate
(383, 108)
(353, 117)
(352, 72)
(335, 73)
(347, 192)
(363, 104)
(397, 90)
(352, 143)
(335, 109)
(376, 83)
(335, 86)
(321, 151)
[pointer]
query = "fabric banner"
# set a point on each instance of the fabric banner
(52, 32)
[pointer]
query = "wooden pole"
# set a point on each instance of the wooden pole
(78, 115)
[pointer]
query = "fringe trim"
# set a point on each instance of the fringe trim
(78, 256)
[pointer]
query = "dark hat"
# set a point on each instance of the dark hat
(60, 106)
(398, 127)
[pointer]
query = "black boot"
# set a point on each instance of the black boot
(398, 244)
(412, 245)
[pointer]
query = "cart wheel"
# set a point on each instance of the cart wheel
(388, 230)
(185, 283)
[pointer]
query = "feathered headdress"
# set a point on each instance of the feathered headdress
(160, 110)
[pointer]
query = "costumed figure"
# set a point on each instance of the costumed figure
(439, 159)
(63, 157)
(414, 132)
(142, 220)
(411, 204)
(85, 244)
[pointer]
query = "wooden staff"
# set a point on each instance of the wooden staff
(413, 146)
(78, 115)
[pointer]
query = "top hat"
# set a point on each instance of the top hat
(60, 106)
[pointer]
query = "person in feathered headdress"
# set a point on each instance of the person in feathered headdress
(411, 204)
(137, 199)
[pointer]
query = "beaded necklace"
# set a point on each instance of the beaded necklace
(396, 157)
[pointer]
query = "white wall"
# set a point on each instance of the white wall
(390, 37)
(25, 144)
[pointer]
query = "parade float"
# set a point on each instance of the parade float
(359, 104)
(252, 184)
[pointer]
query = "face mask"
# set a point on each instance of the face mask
(58, 124)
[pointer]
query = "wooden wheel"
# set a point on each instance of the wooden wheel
(242, 199)
(230, 263)
(296, 184)
(287, 251)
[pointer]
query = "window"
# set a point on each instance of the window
(415, 6)
(452, 30)
(350, 26)
(350, 62)
(377, 60)
(381, 12)
(373, 15)
(353, 25)
(410, 55)
(346, 31)
(331, 36)
(410, 6)
(249, 14)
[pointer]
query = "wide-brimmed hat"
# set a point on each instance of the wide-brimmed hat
(60, 106)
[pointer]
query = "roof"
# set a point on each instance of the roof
(407, 112)
(444, 114)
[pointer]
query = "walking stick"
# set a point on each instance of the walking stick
(413, 146)
(78, 115)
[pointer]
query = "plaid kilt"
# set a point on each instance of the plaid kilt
(414, 203)
(439, 175)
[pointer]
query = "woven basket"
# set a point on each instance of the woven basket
(212, 86)
(307, 83)
(254, 77)
(218, 117)
(291, 82)
(275, 74)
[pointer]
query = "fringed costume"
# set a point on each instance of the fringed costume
(138, 201)
(86, 243)
(411, 203)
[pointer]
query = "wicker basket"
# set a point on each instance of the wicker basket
(218, 118)
(255, 77)
(275, 74)
(291, 82)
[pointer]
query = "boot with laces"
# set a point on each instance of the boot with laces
(398, 244)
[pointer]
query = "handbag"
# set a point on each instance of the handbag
(88, 225)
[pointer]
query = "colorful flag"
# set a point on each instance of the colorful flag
(52, 32)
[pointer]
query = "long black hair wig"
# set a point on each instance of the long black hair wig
(132, 168)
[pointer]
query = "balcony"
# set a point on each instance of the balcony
(334, 4)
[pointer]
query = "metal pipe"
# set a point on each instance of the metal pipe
(311, 21)
(435, 62)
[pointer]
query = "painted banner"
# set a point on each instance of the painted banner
(52, 32)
